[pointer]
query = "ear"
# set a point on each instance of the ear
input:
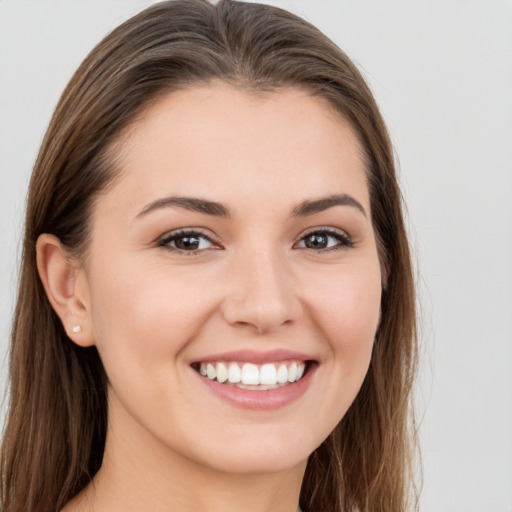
(67, 289)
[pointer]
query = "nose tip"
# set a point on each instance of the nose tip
(262, 298)
(261, 317)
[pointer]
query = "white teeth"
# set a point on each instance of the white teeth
(222, 372)
(292, 372)
(282, 374)
(258, 388)
(268, 374)
(210, 371)
(250, 374)
(234, 373)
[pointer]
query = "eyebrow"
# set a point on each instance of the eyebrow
(192, 204)
(319, 205)
(215, 209)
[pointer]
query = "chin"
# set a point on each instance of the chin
(264, 456)
(258, 465)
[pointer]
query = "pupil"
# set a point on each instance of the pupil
(187, 242)
(316, 241)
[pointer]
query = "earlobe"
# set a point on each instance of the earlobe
(66, 288)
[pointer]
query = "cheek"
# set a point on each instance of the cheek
(147, 313)
(347, 309)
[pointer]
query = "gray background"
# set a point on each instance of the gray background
(442, 73)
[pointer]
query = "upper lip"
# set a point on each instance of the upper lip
(256, 357)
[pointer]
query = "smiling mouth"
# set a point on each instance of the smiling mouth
(255, 377)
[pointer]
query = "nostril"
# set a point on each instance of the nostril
(262, 297)
(260, 318)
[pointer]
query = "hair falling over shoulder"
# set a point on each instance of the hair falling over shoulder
(56, 425)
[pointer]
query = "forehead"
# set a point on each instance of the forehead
(240, 146)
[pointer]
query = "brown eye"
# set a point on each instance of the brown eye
(325, 239)
(316, 241)
(187, 242)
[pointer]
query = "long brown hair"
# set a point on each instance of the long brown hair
(55, 431)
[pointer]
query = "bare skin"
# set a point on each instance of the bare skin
(284, 262)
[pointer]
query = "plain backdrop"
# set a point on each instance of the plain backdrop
(442, 74)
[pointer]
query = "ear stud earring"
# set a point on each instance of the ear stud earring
(76, 328)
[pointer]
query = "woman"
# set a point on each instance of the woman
(216, 306)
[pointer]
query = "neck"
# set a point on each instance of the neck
(138, 474)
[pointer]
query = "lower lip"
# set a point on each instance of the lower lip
(259, 399)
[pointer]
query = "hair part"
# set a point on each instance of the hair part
(56, 426)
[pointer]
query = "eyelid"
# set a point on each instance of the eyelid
(346, 241)
(165, 239)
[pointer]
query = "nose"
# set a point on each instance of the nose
(261, 294)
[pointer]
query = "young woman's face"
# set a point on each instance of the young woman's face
(237, 242)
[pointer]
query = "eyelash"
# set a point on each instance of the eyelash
(344, 240)
(180, 234)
